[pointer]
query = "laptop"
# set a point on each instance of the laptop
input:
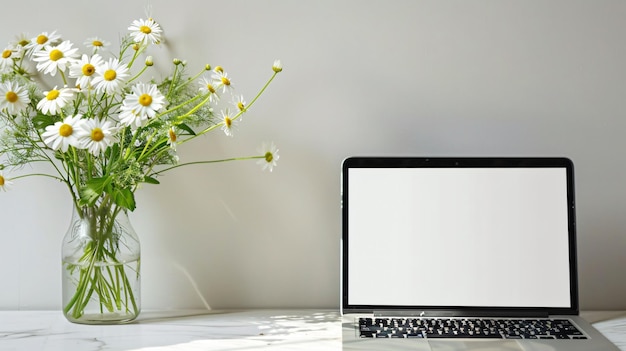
(461, 254)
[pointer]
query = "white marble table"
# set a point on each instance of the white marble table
(176, 330)
(202, 330)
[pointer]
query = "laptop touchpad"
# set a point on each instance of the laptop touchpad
(482, 345)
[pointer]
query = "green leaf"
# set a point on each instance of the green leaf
(92, 190)
(186, 128)
(42, 121)
(113, 152)
(124, 198)
(150, 180)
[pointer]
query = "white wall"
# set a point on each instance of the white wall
(360, 77)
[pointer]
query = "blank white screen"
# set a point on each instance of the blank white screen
(458, 237)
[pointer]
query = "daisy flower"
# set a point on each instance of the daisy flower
(62, 134)
(18, 45)
(55, 58)
(5, 184)
(55, 99)
(13, 98)
(228, 123)
(221, 80)
(39, 42)
(21, 40)
(84, 70)
(110, 76)
(6, 60)
(207, 86)
(96, 135)
(171, 138)
(145, 99)
(145, 30)
(240, 103)
(270, 156)
(96, 44)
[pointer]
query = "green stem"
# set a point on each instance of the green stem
(109, 286)
(206, 162)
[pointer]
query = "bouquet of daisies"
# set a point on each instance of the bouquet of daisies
(105, 128)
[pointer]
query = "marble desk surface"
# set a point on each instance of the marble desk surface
(207, 330)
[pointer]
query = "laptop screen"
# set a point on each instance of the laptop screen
(471, 233)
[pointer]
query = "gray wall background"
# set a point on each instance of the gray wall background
(414, 77)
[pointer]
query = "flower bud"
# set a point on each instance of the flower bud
(207, 67)
(177, 61)
(277, 66)
(136, 47)
(149, 61)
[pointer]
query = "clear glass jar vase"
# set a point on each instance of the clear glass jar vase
(101, 261)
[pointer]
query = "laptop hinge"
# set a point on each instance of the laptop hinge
(460, 313)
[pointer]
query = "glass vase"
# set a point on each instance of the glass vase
(101, 260)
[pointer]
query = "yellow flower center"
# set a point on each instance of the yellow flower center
(42, 39)
(56, 55)
(219, 69)
(97, 134)
(145, 100)
(97, 43)
(65, 130)
(110, 75)
(225, 81)
(89, 69)
(1, 180)
(269, 157)
(11, 96)
(23, 42)
(6, 54)
(240, 106)
(172, 135)
(145, 29)
(53, 94)
(228, 122)
(210, 88)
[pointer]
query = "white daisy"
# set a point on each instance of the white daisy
(96, 44)
(141, 105)
(85, 69)
(171, 138)
(110, 76)
(18, 45)
(277, 66)
(221, 80)
(240, 103)
(228, 123)
(55, 58)
(63, 134)
(270, 156)
(96, 135)
(146, 99)
(13, 98)
(207, 86)
(145, 30)
(6, 60)
(5, 184)
(21, 41)
(55, 99)
(39, 42)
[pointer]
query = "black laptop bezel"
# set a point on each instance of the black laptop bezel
(462, 162)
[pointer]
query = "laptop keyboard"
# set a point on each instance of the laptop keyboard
(468, 328)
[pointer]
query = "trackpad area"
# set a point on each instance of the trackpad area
(470, 345)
